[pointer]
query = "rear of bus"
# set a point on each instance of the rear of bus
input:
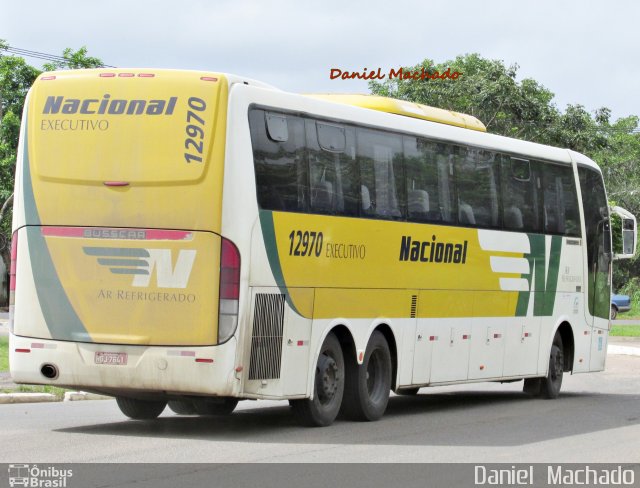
(121, 281)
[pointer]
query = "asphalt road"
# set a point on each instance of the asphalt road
(596, 419)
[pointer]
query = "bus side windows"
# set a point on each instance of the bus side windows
(477, 185)
(380, 160)
(427, 201)
(560, 211)
(519, 195)
(307, 165)
(279, 156)
(333, 171)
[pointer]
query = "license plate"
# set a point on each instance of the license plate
(114, 358)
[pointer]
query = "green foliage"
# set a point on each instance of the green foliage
(632, 288)
(490, 91)
(625, 331)
(616, 232)
(4, 354)
(74, 60)
(16, 77)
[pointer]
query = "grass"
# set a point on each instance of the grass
(625, 331)
(53, 390)
(633, 314)
(4, 354)
(4, 367)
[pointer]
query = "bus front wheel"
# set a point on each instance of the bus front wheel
(368, 385)
(140, 409)
(549, 386)
(328, 387)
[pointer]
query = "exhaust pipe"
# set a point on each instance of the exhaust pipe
(49, 371)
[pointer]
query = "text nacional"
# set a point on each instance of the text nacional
(432, 251)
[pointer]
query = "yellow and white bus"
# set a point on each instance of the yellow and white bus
(199, 238)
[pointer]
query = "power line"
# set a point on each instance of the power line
(44, 56)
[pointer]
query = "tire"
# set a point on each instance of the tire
(140, 409)
(182, 407)
(614, 312)
(532, 386)
(551, 384)
(408, 391)
(211, 407)
(368, 385)
(328, 387)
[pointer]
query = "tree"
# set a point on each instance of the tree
(486, 89)
(74, 60)
(490, 91)
(16, 77)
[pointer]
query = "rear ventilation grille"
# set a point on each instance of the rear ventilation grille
(414, 305)
(266, 337)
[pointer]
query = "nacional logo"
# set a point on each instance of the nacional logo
(108, 105)
(140, 263)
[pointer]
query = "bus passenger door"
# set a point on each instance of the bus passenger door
(598, 245)
(599, 289)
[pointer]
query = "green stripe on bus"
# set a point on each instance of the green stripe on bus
(59, 315)
(271, 246)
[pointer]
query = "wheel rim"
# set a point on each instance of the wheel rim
(327, 379)
(557, 366)
(374, 375)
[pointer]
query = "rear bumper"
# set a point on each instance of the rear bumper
(149, 370)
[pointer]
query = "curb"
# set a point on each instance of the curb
(27, 398)
(623, 350)
(75, 396)
(69, 396)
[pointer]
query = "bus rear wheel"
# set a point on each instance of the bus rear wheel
(182, 407)
(140, 409)
(368, 385)
(328, 387)
(215, 406)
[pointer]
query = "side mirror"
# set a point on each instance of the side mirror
(624, 233)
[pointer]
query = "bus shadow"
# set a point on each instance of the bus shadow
(470, 418)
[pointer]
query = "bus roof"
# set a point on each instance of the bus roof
(408, 109)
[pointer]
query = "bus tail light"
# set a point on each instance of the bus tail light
(229, 290)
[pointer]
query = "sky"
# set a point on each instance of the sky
(586, 52)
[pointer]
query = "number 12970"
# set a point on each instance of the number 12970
(305, 243)
(195, 130)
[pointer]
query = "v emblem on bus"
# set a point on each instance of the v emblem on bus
(543, 275)
(538, 269)
(141, 263)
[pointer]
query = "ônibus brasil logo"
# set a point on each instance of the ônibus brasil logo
(38, 477)
(140, 264)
